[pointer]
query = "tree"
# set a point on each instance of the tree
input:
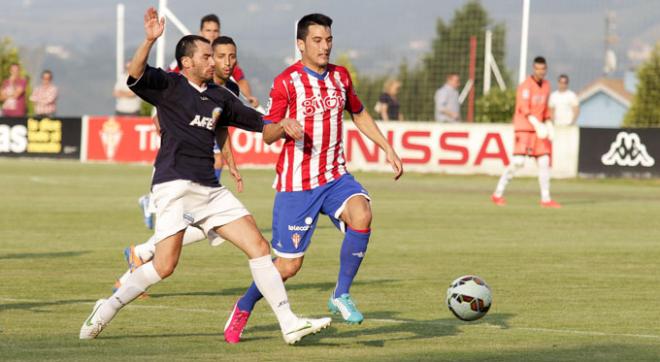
(450, 53)
(645, 108)
(496, 106)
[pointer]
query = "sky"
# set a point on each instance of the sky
(76, 38)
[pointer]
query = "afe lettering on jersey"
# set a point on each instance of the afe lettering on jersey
(207, 122)
(322, 104)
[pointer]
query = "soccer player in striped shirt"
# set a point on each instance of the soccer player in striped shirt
(307, 102)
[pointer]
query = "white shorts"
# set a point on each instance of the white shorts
(183, 203)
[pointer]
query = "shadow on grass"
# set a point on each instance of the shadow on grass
(219, 335)
(322, 287)
(386, 327)
(36, 306)
(63, 254)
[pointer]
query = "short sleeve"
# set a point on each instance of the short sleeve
(278, 102)
(384, 98)
(152, 84)
(353, 103)
(574, 100)
(238, 73)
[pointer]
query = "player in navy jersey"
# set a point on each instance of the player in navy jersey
(311, 172)
(193, 114)
(225, 59)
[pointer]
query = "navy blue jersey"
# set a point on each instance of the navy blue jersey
(233, 87)
(189, 119)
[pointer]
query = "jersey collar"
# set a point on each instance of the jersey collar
(319, 76)
(198, 88)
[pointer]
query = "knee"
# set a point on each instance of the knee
(165, 268)
(518, 162)
(262, 248)
(360, 216)
(288, 268)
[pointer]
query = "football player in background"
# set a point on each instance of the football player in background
(534, 132)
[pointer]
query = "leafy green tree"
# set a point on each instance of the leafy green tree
(645, 108)
(496, 106)
(450, 53)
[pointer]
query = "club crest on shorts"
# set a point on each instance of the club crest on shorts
(295, 238)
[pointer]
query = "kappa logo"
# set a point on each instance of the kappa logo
(359, 255)
(627, 150)
(188, 217)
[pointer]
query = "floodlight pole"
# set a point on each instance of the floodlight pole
(119, 71)
(522, 70)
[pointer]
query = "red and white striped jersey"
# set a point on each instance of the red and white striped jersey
(318, 101)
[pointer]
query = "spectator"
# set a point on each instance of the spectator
(388, 104)
(564, 104)
(44, 96)
(128, 104)
(12, 93)
(447, 107)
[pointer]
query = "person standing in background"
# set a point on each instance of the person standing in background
(447, 106)
(44, 96)
(564, 104)
(12, 93)
(388, 103)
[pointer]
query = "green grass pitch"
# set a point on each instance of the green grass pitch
(579, 283)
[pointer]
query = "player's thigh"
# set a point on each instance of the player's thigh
(295, 215)
(243, 233)
(348, 202)
(542, 147)
(288, 267)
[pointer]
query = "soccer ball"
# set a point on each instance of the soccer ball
(469, 298)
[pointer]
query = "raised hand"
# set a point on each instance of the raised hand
(153, 26)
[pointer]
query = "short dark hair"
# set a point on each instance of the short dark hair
(212, 18)
(222, 40)
(563, 76)
(186, 47)
(311, 19)
(47, 71)
(540, 60)
(452, 74)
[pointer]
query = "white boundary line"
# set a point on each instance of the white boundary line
(378, 320)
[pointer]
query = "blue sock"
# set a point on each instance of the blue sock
(218, 173)
(250, 298)
(353, 249)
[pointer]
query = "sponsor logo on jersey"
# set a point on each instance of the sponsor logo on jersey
(627, 150)
(206, 122)
(316, 103)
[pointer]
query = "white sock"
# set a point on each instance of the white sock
(193, 235)
(270, 284)
(137, 282)
(516, 163)
(124, 277)
(544, 177)
(147, 249)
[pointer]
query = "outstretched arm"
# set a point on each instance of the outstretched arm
(153, 28)
(368, 127)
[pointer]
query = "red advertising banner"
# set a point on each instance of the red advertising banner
(423, 147)
(120, 139)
